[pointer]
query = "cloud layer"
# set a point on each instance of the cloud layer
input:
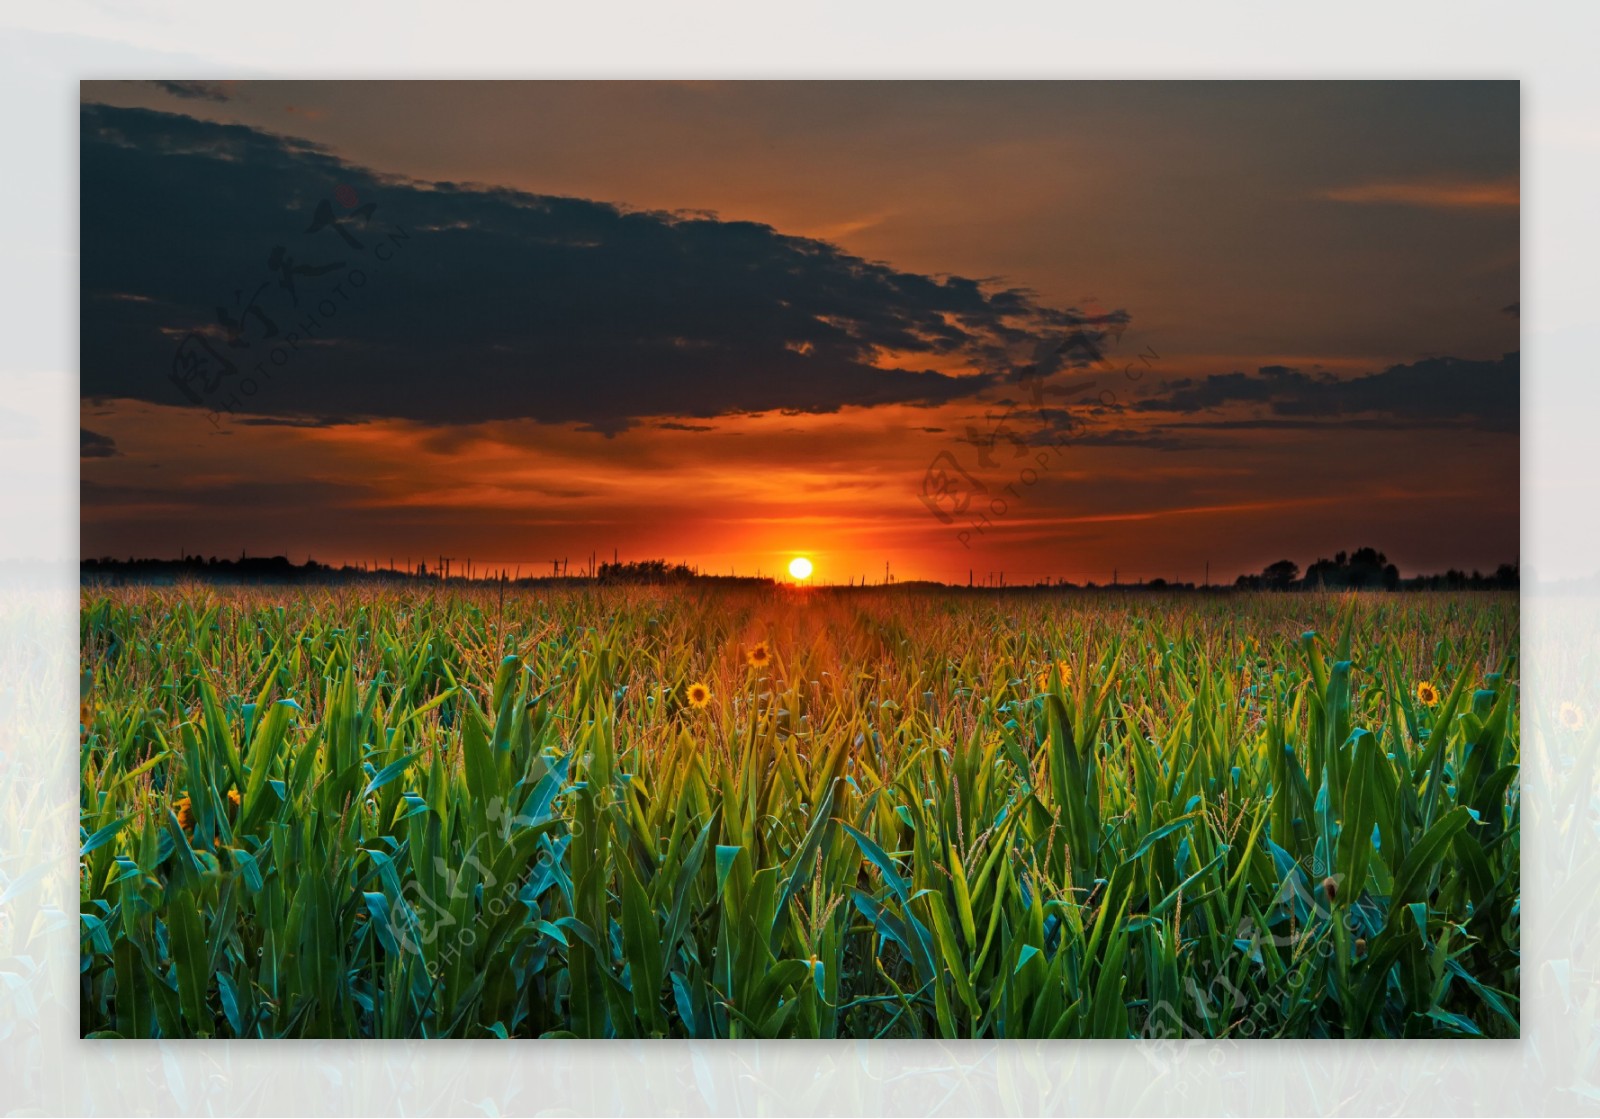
(445, 302)
(91, 444)
(1449, 194)
(1436, 392)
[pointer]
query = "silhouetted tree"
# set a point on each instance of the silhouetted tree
(1281, 575)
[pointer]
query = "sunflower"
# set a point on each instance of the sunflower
(699, 695)
(185, 816)
(760, 655)
(1571, 716)
(1066, 676)
(1427, 694)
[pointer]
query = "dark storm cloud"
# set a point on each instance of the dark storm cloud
(194, 91)
(293, 421)
(91, 444)
(1435, 392)
(492, 303)
(1148, 440)
(1060, 428)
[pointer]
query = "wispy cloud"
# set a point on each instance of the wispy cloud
(198, 91)
(1435, 392)
(1437, 193)
(91, 444)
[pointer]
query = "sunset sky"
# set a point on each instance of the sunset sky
(1137, 326)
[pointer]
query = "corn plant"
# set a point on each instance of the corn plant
(723, 813)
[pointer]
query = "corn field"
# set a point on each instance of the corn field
(746, 813)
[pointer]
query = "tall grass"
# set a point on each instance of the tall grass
(358, 813)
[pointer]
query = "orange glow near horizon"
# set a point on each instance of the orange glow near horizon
(754, 493)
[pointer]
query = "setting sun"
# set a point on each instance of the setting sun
(800, 567)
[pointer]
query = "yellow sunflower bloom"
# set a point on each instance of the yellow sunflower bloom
(1066, 676)
(760, 655)
(1427, 694)
(699, 695)
(1571, 716)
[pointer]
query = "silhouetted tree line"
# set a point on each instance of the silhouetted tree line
(278, 569)
(253, 569)
(646, 571)
(1364, 569)
(1370, 569)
